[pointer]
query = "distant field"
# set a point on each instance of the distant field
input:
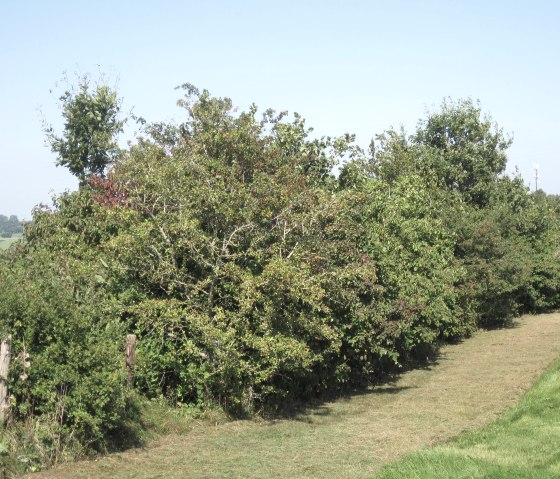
(5, 243)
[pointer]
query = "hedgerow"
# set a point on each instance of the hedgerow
(254, 276)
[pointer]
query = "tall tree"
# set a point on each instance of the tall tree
(10, 226)
(456, 148)
(465, 149)
(91, 126)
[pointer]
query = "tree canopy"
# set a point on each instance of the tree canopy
(10, 226)
(458, 147)
(91, 124)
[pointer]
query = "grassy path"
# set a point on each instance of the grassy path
(469, 385)
(521, 444)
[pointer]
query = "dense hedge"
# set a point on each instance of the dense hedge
(252, 274)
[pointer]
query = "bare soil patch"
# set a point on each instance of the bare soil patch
(467, 386)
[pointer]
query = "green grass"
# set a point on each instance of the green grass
(5, 243)
(523, 443)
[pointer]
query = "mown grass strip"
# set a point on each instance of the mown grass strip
(522, 443)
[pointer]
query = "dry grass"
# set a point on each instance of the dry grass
(468, 385)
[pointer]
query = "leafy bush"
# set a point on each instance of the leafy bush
(59, 321)
(253, 276)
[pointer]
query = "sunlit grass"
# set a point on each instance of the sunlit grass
(523, 443)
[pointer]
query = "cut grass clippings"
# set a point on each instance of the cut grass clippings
(467, 387)
(523, 443)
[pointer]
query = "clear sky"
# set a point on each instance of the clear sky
(345, 66)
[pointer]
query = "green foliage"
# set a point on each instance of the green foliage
(508, 250)
(504, 238)
(458, 148)
(88, 143)
(63, 326)
(255, 277)
(251, 274)
(465, 150)
(220, 241)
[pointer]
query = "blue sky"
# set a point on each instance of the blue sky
(345, 66)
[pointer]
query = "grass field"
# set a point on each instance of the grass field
(5, 243)
(467, 387)
(523, 443)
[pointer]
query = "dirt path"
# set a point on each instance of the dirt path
(468, 386)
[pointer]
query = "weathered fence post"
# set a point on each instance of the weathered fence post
(5, 356)
(130, 353)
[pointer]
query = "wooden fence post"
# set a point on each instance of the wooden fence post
(130, 353)
(5, 356)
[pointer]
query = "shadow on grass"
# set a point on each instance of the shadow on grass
(145, 420)
(511, 323)
(145, 423)
(131, 430)
(383, 383)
